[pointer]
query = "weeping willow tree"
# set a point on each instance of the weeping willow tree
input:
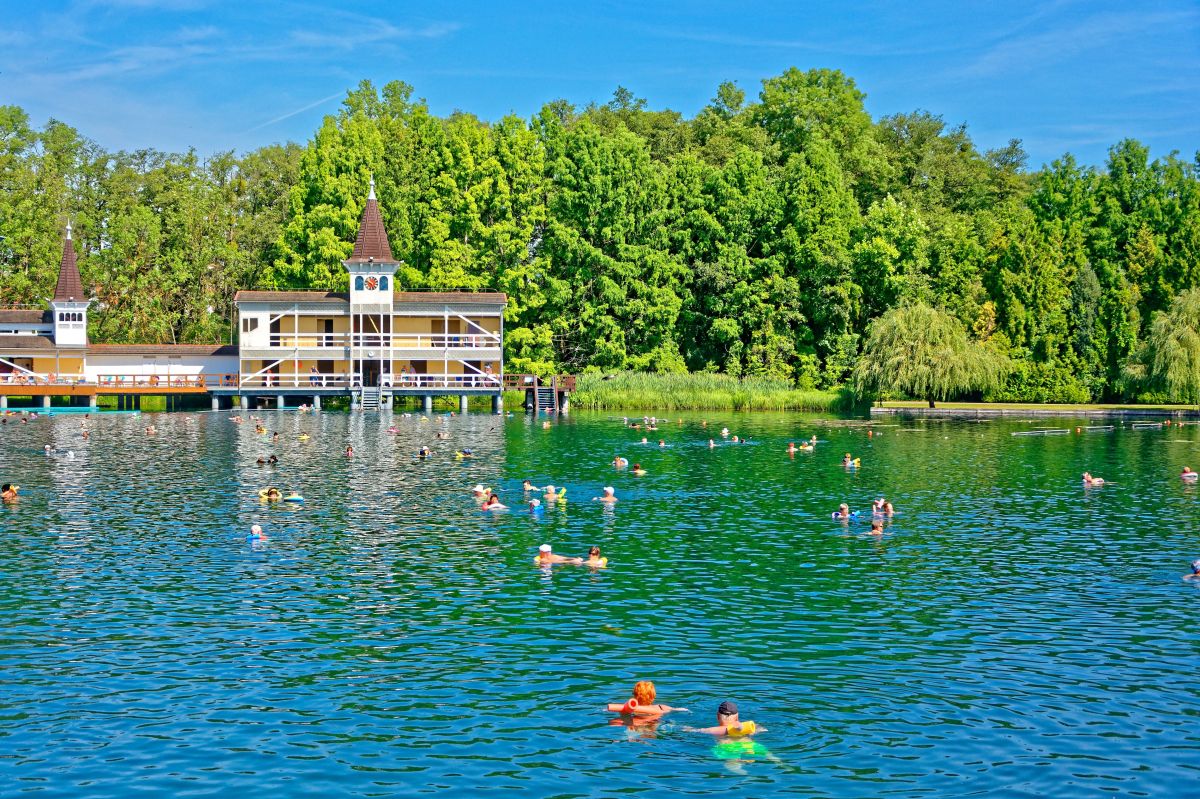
(1170, 359)
(922, 352)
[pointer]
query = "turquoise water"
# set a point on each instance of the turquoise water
(1010, 633)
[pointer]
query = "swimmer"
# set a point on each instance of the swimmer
(270, 494)
(596, 562)
(881, 507)
(638, 470)
(546, 557)
(349, 451)
(1195, 575)
(791, 450)
(645, 440)
(728, 723)
(1188, 476)
(304, 436)
(275, 436)
(847, 460)
(642, 703)
(479, 491)
(843, 512)
(724, 432)
(424, 452)
(261, 461)
(528, 486)
(1088, 480)
(609, 497)
(535, 506)
(8, 492)
(662, 443)
(256, 533)
(877, 527)
(735, 439)
(711, 444)
(553, 496)
(150, 431)
(271, 461)
(620, 462)
(494, 503)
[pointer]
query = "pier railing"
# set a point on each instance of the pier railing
(399, 341)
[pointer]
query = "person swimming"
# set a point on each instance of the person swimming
(642, 702)
(637, 469)
(535, 506)
(595, 560)
(479, 491)
(271, 494)
(729, 723)
(711, 444)
(724, 432)
(849, 462)
(881, 507)
(791, 448)
(1088, 480)
(877, 527)
(609, 497)
(274, 459)
(528, 486)
(546, 557)
(1188, 476)
(1195, 575)
(256, 533)
(349, 451)
(8, 492)
(494, 503)
(620, 462)
(843, 512)
(662, 443)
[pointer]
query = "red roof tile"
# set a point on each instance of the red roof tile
(70, 286)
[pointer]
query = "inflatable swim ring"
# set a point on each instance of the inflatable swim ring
(293, 497)
(740, 749)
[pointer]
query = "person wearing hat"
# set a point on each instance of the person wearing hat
(610, 496)
(546, 557)
(729, 724)
(479, 491)
(8, 492)
(1195, 575)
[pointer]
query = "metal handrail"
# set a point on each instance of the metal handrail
(432, 341)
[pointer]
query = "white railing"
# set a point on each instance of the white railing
(396, 381)
(407, 341)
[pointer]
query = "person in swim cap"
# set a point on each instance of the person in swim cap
(1195, 575)
(642, 703)
(728, 723)
(546, 557)
(479, 491)
(535, 506)
(1188, 476)
(609, 498)
(256, 533)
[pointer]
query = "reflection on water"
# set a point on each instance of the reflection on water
(1008, 633)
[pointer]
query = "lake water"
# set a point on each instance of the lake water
(1010, 633)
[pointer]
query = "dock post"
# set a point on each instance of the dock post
(3, 401)
(46, 401)
(316, 403)
(463, 402)
(427, 404)
(498, 403)
(92, 401)
(216, 403)
(279, 402)
(244, 401)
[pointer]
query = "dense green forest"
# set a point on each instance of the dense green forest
(758, 238)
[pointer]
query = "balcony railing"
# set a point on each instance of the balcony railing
(396, 381)
(407, 341)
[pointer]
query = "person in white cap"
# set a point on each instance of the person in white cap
(479, 490)
(546, 557)
(609, 497)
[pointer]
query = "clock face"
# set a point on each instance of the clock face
(372, 283)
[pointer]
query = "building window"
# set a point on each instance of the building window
(383, 283)
(249, 325)
(358, 283)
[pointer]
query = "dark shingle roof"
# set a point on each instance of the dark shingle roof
(25, 343)
(372, 242)
(162, 349)
(481, 297)
(70, 286)
(25, 317)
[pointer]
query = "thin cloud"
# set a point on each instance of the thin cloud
(291, 114)
(369, 31)
(1030, 52)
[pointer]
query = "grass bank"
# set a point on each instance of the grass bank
(1034, 406)
(702, 391)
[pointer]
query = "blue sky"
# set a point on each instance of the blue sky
(215, 75)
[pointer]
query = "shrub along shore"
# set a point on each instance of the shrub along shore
(701, 391)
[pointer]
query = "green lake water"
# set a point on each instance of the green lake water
(1010, 633)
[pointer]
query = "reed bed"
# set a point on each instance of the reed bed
(701, 391)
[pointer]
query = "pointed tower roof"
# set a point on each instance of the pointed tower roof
(70, 286)
(372, 242)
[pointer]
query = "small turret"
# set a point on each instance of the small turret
(70, 302)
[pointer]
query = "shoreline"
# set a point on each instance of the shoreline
(987, 409)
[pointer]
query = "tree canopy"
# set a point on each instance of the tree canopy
(923, 352)
(760, 237)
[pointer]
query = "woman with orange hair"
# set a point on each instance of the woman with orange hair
(642, 703)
